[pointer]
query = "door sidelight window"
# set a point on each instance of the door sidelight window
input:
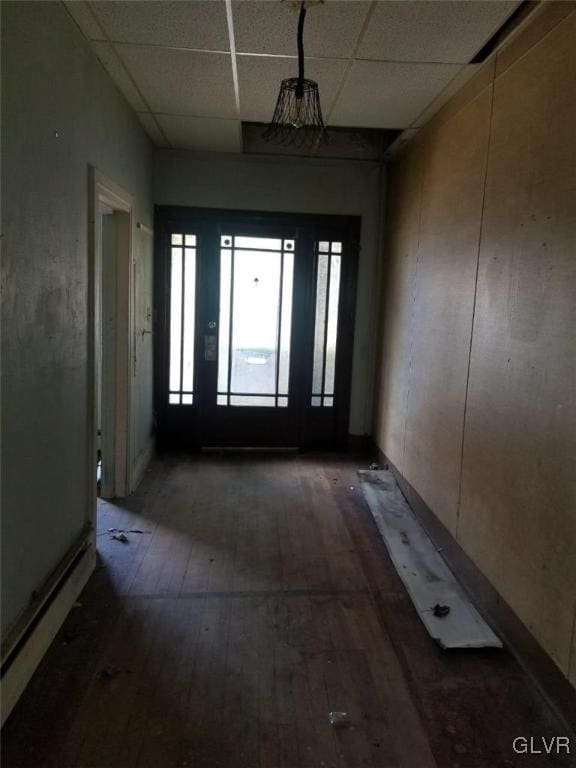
(182, 318)
(328, 263)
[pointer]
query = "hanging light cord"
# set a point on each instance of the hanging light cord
(301, 18)
(297, 120)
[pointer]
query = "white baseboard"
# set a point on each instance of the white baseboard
(23, 666)
(140, 465)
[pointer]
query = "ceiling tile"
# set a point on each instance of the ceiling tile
(197, 24)
(202, 133)
(449, 31)
(260, 77)
(118, 73)
(331, 29)
(151, 127)
(83, 16)
(182, 82)
(387, 95)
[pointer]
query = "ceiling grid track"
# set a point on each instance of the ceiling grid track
(204, 74)
(232, 42)
(112, 45)
(350, 60)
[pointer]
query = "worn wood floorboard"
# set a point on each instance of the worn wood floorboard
(258, 598)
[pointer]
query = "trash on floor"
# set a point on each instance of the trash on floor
(339, 719)
(110, 672)
(126, 530)
(441, 610)
(120, 537)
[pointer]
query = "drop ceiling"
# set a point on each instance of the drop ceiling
(194, 71)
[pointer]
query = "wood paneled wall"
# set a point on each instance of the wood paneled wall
(477, 394)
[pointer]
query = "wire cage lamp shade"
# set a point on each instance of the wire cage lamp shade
(297, 119)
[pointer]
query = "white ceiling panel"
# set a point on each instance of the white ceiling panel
(151, 127)
(383, 64)
(83, 16)
(448, 31)
(118, 73)
(202, 133)
(331, 29)
(182, 82)
(387, 95)
(197, 24)
(260, 77)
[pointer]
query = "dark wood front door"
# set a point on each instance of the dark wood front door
(254, 328)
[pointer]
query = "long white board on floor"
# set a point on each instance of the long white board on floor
(424, 572)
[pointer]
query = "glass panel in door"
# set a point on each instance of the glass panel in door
(255, 318)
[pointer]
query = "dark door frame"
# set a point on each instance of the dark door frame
(322, 428)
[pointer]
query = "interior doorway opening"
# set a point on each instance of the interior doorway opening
(112, 353)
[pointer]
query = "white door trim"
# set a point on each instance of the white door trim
(105, 192)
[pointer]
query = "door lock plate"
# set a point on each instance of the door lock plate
(210, 349)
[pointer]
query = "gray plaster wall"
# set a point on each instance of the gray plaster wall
(290, 184)
(61, 113)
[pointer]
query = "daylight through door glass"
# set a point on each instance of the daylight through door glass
(182, 318)
(328, 263)
(256, 284)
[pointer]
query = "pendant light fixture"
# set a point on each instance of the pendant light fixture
(297, 119)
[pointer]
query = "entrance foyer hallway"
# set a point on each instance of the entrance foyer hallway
(255, 599)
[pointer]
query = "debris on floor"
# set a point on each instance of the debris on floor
(339, 719)
(111, 671)
(127, 530)
(432, 586)
(119, 534)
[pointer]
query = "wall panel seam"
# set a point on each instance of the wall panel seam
(452, 108)
(420, 175)
(481, 230)
(372, 419)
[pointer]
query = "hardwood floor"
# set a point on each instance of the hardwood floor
(255, 599)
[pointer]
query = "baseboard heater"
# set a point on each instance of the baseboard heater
(28, 642)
